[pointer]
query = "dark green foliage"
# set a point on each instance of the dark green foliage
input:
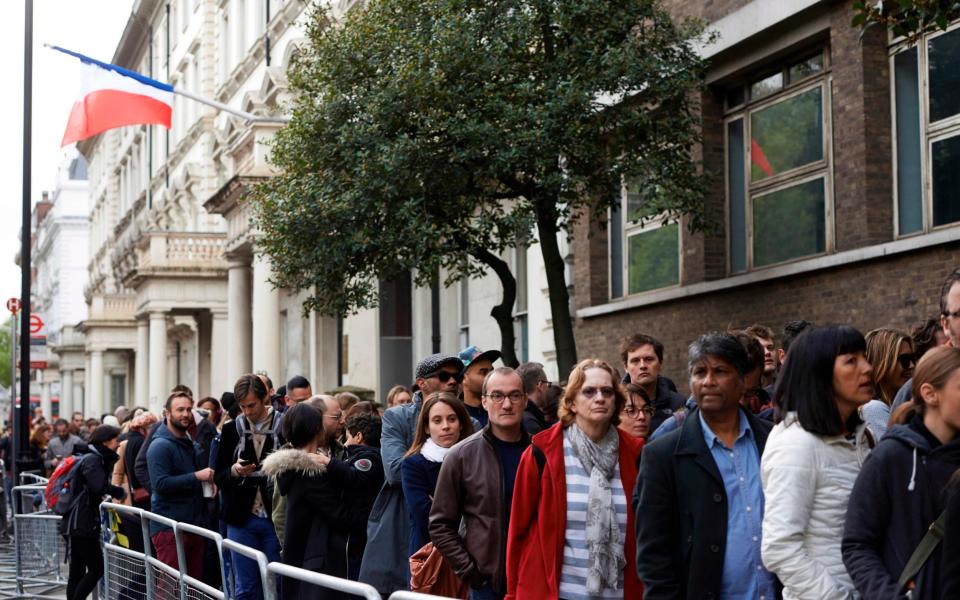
(908, 18)
(431, 134)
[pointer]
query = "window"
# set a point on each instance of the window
(650, 257)
(926, 90)
(118, 391)
(520, 324)
(778, 165)
(463, 316)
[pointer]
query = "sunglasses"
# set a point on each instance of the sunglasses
(906, 360)
(445, 376)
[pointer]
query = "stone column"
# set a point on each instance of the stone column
(94, 405)
(238, 321)
(158, 362)
(220, 378)
(45, 404)
(266, 322)
(66, 393)
(141, 368)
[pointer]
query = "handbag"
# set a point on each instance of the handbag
(141, 496)
(431, 574)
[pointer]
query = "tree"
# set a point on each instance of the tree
(5, 347)
(431, 134)
(908, 18)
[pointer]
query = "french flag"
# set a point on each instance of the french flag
(112, 96)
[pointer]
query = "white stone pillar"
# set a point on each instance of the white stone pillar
(238, 321)
(219, 376)
(66, 393)
(266, 321)
(45, 404)
(141, 368)
(158, 362)
(95, 403)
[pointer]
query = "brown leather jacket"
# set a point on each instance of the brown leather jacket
(470, 486)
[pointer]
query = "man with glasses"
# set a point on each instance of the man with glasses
(535, 386)
(475, 485)
(385, 558)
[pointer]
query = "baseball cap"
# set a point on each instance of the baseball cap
(473, 354)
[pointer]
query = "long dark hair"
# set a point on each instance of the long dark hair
(806, 381)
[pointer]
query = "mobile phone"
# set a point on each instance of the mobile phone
(244, 462)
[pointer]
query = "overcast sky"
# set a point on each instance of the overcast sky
(91, 27)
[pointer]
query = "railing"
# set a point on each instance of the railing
(175, 249)
(39, 569)
(130, 574)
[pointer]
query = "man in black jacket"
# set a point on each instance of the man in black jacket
(247, 491)
(642, 357)
(699, 500)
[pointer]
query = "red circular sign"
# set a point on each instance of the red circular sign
(14, 305)
(36, 324)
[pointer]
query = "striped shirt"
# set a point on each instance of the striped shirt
(573, 578)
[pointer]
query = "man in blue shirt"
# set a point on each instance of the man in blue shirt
(698, 501)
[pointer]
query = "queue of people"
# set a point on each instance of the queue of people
(795, 468)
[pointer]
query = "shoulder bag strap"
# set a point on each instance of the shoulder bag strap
(923, 551)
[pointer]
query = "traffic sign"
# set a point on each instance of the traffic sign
(14, 305)
(36, 323)
(38, 340)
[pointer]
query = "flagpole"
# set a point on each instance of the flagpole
(21, 428)
(249, 117)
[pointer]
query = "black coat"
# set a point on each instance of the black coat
(950, 567)
(317, 522)
(681, 513)
(359, 476)
(886, 519)
(92, 483)
(239, 493)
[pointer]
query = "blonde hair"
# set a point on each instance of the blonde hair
(575, 382)
(883, 348)
(935, 368)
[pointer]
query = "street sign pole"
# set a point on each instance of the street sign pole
(13, 364)
(21, 428)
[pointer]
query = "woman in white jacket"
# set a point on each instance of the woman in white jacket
(811, 461)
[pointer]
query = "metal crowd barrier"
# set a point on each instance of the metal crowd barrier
(39, 569)
(130, 574)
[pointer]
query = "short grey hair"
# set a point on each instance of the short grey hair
(499, 371)
(532, 374)
(722, 345)
(319, 402)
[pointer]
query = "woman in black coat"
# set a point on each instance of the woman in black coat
(900, 490)
(82, 522)
(317, 521)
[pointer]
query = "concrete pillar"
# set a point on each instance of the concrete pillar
(158, 362)
(66, 393)
(141, 369)
(45, 404)
(219, 376)
(238, 321)
(95, 402)
(266, 321)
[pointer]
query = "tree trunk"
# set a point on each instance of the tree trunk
(503, 312)
(563, 338)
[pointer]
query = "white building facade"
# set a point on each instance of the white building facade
(177, 293)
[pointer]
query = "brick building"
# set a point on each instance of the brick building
(836, 192)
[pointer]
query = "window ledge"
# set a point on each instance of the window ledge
(818, 263)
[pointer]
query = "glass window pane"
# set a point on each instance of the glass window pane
(736, 96)
(616, 252)
(766, 86)
(789, 223)
(946, 181)
(806, 68)
(909, 175)
(736, 182)
(787, 135)
(654, 259)
(943, 54)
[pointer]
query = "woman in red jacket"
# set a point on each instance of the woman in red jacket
(571, 530)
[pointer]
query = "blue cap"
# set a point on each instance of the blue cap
(473, 354)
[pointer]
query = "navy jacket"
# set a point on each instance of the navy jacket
(886, 519)
(176, 492)
(419, 478)
(950, 567)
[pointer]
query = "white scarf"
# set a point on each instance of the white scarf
(433, 452)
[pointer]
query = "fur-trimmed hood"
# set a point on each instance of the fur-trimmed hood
(290, 459)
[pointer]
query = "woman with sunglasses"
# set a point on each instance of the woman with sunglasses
(891, 354)
(571, 534)
(637, 413)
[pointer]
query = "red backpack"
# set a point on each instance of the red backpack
(60, 491)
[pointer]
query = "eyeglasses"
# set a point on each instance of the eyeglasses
(590, 392)
(947, 313)
(445, 376)
(634, 412)
(906, 360)
(337, 416)
(514, 397)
